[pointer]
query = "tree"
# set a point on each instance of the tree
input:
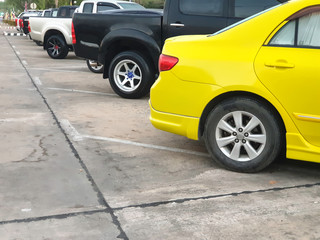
(5, 7)
(18, 5)
(151, 3)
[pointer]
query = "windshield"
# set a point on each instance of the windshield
(244, 20)
(131, 6)
(31, 14)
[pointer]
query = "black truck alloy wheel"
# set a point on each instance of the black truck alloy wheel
(94, 66)
(243, 135)
(57, 47)
(130, 75)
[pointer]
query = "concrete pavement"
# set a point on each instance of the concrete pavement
(78, 162)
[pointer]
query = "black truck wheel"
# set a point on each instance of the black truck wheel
(94, 66)
(57, 47)
(243, 135)
(131, 75)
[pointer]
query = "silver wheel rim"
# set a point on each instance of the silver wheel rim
(54, 47)
(127, 75)
(95, 65)
(241, 136)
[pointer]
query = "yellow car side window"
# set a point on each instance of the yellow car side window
(309, 30)
(286, 35)
(302, 32)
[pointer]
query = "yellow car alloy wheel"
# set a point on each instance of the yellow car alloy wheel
(243, 134)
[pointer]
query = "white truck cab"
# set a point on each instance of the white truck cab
(98, 6)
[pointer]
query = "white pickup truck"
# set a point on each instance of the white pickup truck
(100, 6)
(54, 33)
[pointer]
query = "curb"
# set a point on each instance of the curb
(14, 34)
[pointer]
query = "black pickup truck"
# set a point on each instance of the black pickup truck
(129, 43)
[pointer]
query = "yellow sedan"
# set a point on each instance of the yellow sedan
(251, 90)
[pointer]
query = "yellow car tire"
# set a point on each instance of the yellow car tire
(243, 134)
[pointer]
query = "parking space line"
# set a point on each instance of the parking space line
(62, 67)
(145, 145)
(55, 70)
(31, 89)
(76, 136)
(11, 120)
(70, 130)
(73, 67)
(23, 119)
(37, 81)
(82, 91)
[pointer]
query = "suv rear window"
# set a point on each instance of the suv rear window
(88, 7)
(202, 7)
(66, 12)
(47, 13)
(133, 6)
(106, 7)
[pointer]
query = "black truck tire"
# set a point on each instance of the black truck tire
(57, 47)
(131, 75)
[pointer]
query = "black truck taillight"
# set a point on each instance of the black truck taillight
(21, 23)
(73, 34)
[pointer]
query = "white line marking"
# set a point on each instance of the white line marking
(70, 130)
(26, 210)
(37, 81)
(55, 70)
(18, 53)
(76, 136)
(82, 91)
(71, 67)
(31, 89)
(9, 120)
(24, 62)
(146, 145)
(24, 119)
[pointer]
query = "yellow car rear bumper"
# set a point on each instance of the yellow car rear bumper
(178, 124)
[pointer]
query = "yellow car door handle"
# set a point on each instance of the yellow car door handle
(279, 64)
